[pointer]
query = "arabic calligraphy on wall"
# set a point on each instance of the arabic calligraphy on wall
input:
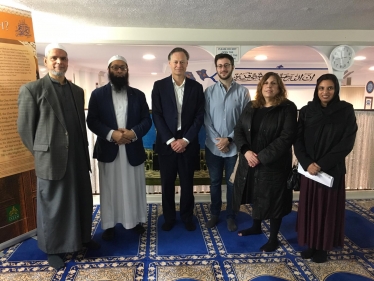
(290, 76)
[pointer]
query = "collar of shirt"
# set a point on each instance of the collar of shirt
(223, 86)
(179, 87)
(58, 82)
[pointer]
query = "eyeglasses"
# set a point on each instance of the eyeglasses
(226, 65)
(116, 67)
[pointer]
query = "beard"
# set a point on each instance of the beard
(228, 75)
(119, 82)
(58, 73)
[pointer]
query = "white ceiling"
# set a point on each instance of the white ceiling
(215, 14)
(348, 18)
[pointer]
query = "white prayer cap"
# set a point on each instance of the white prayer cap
(54, 46)
(116, 57)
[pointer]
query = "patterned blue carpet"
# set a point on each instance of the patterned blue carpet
(205, 254)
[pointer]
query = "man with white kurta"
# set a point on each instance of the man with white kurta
(119, 115)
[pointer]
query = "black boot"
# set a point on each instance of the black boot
(254, 229)
(273, 242)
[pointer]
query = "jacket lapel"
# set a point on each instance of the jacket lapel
(130, 101)
(79, 104)
(171, 92)
(107, 102)
(51, 97)
(186, 94)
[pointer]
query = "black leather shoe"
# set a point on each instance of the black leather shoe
(190, 225)
(212, 222)
(319, 256)
(167, 226)
(308, 253)
(56, 261)
(92, 245)
(108, 234)
(139, 229)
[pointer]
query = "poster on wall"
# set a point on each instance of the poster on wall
(234, 51)
(18, 65)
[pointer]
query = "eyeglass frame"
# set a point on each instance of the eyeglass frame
(226, 65)
(122, 67)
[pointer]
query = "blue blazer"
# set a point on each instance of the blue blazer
(165, 114)
(101, 118)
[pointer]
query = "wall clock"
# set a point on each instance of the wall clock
(370, 87)
(341, 57)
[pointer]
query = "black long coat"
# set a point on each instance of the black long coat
(326, 136)
(270, 196)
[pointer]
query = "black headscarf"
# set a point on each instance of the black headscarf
(316, 113)
(333, 78)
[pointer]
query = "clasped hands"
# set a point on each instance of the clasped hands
(223, 145)
(251, 158)
(123, 136)
(179, 145)
(314, 169)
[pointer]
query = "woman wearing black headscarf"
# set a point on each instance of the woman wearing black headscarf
(326, 135)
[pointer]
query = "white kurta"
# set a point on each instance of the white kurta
(122, 186)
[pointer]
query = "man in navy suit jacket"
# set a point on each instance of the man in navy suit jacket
(119, 115)
(178, 113)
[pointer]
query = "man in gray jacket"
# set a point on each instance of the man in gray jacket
(51, 123)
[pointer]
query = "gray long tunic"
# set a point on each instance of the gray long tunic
(64, 209)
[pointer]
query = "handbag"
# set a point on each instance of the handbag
(293, 180)
(233, 174)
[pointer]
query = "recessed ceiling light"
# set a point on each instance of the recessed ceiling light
(371, 68)
(360, 58)
(261, 57)
(154, 73)
(148, 57)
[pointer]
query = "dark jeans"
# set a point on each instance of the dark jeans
(215, 166)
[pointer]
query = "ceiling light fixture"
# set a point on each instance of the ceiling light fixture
(360, 58)
(371, 68)
(261, 57)
(148, 57)
(154, 73)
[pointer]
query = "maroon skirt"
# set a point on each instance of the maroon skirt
(321, 214)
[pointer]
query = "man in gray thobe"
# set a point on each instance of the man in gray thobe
(51, 123)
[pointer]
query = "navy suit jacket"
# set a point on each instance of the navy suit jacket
(101, 118)
(165, 114)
